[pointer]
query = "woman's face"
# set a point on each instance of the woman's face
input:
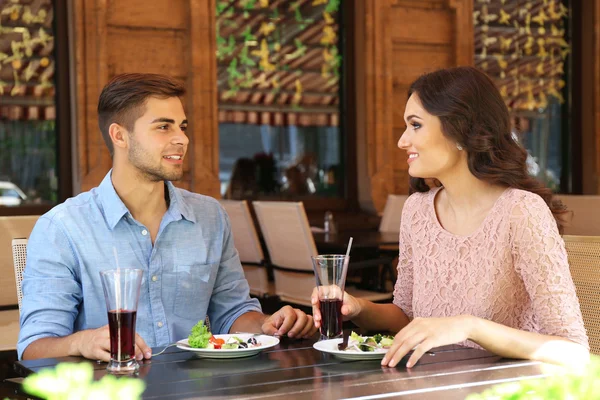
(430, 153)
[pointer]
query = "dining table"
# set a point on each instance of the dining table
(372, 254)
(361, 240)
(294, 369)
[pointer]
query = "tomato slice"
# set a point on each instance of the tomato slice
(217, 342)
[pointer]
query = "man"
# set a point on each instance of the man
(181, 240)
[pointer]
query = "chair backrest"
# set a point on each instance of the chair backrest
(392, 213)
(244, 233)
(19, 252)
(10, 228)
(285, 227)
(586, 217)
(584, 262)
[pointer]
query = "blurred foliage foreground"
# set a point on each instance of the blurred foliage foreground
(565, 384)
(76, 382)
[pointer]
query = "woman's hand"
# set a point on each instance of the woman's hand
(350, 307)
(423, 334)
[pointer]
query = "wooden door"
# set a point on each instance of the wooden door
(401, 39)
(176, 38)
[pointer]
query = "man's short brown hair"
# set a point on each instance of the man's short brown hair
(122, 99)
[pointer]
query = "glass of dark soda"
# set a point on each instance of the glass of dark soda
(122, 292)
(330, 273)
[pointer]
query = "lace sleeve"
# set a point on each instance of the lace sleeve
(541, 260)
(403, 289)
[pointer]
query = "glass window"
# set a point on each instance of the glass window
(524, 47)
(279, 105)
(28, 148)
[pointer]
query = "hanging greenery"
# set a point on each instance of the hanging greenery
(258, 53)
(523, 46)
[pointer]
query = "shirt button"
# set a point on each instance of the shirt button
(154, 278)
(159, 324)
(144, 232)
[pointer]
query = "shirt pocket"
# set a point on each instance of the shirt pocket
(194, 288)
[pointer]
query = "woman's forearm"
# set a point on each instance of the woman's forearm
(380, 317)
(514, 343)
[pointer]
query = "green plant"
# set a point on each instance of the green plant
(76, 381)
(569, 385)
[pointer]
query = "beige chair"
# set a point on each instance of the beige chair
(9, 319)
(392, 213)
(584, 261)
(10, 228)
(586, 214)
(290, 243)
(248, 246)
(19, 252)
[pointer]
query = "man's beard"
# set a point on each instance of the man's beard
(138, 157)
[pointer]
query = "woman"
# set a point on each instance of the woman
(481, 259)
(243, 180)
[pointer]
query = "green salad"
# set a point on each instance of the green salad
(378, 342)
(201, 338)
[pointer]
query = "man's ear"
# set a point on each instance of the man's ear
(118, 135)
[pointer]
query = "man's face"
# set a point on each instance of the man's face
(158, 142)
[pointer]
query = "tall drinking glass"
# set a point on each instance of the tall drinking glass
(330, 272)
(122, 292)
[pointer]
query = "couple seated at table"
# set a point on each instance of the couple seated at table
(181, 240)
(481, 259)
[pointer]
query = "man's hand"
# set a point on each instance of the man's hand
(291, 321)
(94, 344)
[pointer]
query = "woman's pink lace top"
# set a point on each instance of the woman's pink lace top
(512, 270)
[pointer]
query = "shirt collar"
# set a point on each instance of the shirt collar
(178, 207)
(113, 206)
(115, 209)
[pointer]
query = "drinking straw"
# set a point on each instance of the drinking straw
(349, 245)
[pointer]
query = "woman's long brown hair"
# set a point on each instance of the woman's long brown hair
(473, 114)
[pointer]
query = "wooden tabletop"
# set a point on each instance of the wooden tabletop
(294, 370)
(361, 239)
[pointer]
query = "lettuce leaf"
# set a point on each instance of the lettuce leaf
(199, 336)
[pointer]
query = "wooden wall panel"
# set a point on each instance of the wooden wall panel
(142, 13)
(154, 51)
(90, 74)
(402, 40)
(202, 99)
(585, 120)
(175, 38)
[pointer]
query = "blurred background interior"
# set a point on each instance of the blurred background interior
(289, 100)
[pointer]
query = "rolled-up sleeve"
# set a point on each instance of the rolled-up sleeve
(231, 295)
(51, 290)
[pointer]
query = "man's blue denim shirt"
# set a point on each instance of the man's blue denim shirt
(193, 269)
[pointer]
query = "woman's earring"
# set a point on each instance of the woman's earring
(458, 146)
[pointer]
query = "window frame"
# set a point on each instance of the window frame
(346, 200)
(63, 114)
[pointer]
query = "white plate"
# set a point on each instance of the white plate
(265, 341)
(331, 346)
